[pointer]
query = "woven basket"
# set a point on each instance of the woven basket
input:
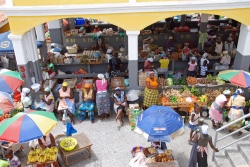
(71, 49)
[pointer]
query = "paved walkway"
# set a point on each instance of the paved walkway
(112, 143)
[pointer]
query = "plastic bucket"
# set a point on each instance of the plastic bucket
(170, 75)
(79, 21)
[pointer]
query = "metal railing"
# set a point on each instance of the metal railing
(230, 134)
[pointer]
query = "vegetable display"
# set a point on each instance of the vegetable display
(195, 91)
(192, 80)
(162, 82)
(212, 94)
(203, 98)
(176, 81)
(169, 82)
(173, 99)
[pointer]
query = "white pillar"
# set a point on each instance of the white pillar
(133, 58)
(242, 59)
(21, 58)
(33, 54)
(9, 2)
(40, 34)
(54, 24)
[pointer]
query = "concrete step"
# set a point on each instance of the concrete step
(220, 160)
(244, 149)
(235, 157)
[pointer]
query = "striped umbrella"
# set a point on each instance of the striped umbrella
(237, 77)
(24, 127)
(10, 81)
(6, 103)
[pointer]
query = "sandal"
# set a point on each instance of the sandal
(240, 133)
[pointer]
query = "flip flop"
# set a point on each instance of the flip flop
(240, 133)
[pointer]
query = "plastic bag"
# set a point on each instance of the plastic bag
(126, 82)
(106, 75)
(133, 95)
(70, 129)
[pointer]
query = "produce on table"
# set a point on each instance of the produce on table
(212, 94)
(192, 81)
(211, 78)
(220, 81)
(165, 100)
(162, 82)
(195, 91)
(41, 156)
(176, 81)
(182, 81)
(186, 93)
(247, 103)
(166, 93)
(160, 99)
(173, 99)
(181, 100)
(175, 92)
(169, 82)
(153, 47)
(203, 98)
(204, 81)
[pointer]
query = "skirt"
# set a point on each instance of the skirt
(202, 161)
(233, 115)
(150, 97)
(103, 103)
(215, 114)
(193, 127)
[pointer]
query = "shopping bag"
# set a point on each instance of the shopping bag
(70, 129)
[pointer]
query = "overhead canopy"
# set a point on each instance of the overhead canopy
(6, 46)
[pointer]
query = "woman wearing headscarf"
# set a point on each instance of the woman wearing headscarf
(151, 93)
(199, 150)
(148, 64)
(26, 99)
(237, 102)
(228, 94)
(87, 106)
(48, 71)
(170, 45)
(102, 97)
(66, 103)
(216, 110)
(49, 100)
(218, 46)
(120, 102)
(229, 45)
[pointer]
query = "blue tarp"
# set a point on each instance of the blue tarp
(6, 45)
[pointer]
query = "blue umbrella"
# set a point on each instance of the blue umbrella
(159, 122)
(6, 45)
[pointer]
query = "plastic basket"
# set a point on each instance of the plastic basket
(71, 49)
(136, 150)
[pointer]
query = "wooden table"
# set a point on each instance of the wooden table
(83, 143)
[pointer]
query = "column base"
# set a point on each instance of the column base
(25, 74)
(241, 62)
(133, 74)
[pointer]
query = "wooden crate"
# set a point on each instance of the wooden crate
(169, 104)
(183, 104)
(202, 104)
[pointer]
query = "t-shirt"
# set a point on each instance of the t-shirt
(15, 162)
(203, 70)
(114, 66)
(152, 83)
(164, 63)
(191, 66)
(225, 60)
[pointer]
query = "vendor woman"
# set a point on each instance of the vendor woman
(148, 65)
(47, 141)
(120, 102)
(26, 99)
(151, 93)
(48, 71)
(48, 99)
(87, 106)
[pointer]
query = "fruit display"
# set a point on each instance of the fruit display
(42, 156)
(204, 81)
(192, 81)
(175, 92)
(203, 98)
(195, 91)
(163, 158)
(212, 94)
(68, 143)
(153, 47)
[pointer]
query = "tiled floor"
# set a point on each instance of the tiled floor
(112, 143)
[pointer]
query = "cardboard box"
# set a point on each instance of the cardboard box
(130, 106)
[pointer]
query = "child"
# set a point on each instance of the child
(13, 160)
(160, 145)
(193, 123)
(203, 71)
(192, 69)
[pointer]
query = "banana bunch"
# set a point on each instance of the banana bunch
(51, 157)
(42, 158)
(203, 98)
(32, 157)
(38, 151)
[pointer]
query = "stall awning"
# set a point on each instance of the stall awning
(6, 46)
